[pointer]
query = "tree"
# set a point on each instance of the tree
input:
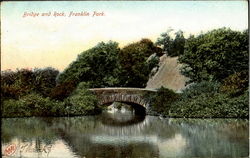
(98, 66)
(215, 55)
(45, 80)
(172, 46)
(17, 83)
(63, 90)
(135, 68)
(178, 44)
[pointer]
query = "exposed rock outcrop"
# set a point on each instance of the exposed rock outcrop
(168, 75)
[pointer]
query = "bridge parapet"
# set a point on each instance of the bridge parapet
(121, 90)
(125, 95)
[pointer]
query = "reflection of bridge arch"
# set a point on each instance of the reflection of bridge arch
(131, 96)
(97, 140)
(110, 121)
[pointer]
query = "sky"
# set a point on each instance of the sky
(55, 41)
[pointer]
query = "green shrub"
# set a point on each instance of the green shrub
(239, 106)
(219, 105)
(32, 105)
(14, 108)
(200, 100)
(203, 87)
(83, 101)
(37, 104)
(161, 100)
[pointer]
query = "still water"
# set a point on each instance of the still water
(121, 135)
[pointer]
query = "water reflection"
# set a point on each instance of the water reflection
(121, 119)
(122, 135)
(102, 139)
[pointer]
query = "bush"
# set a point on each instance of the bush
(161, 101)
(218, 105)
(239, 106)
(83, 101)
(203, 87)
(31, 105)
(199, 100)
(13, 91)
(14, 108)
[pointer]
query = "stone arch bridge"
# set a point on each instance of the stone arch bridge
(131, 96)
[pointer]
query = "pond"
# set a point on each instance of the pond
(122, 134)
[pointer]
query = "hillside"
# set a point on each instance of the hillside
(168, 75)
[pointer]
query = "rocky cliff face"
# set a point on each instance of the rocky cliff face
(168, 75)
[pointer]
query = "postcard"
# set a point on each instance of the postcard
(124, 79)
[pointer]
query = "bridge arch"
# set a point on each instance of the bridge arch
(135, 101)
(130, 96)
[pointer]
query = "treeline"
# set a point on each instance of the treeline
(46, 92)
(15, 84)
(107, 65)
(216, 63)
(28, 92)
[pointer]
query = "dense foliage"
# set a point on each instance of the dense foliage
(196, 89)
(220, 55)
(83, 101)
(106, 65)
(45, 92)
(217, 64)
(97, 65)
(15, 84)
(195, 101)
(31, 105)
(200, 100)
(63, 90)
(32, 93)
(161, 101)
(215, 55)
(134, 63)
